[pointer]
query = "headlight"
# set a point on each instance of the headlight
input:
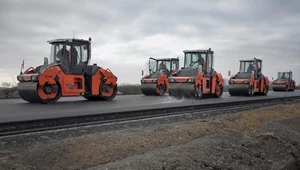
(34, 77)
(142, 81)
(154, 81)
(191, 80)
(230, 82)
(171, 80)
(246, 81)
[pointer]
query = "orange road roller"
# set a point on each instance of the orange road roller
(249, 80)
(197, 78)
(156, 83)
(67, 74)
(284, 82)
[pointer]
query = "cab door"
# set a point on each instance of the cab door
(74, 83)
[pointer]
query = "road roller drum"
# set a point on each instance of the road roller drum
(149, 89)
(182, 90)
(240, 90)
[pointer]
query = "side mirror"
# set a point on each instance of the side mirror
(45, 61)
(22, 67)
(229, 73)
(142, 72)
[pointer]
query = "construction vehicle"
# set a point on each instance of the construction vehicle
(249, 80)
(197, 78)
(284, 82)
(156, 83)
(68, 74)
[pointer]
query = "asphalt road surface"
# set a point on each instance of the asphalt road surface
(18, 110)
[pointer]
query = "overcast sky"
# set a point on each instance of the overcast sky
(126, 33)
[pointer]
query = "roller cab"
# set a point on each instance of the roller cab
(284, 82)
(197, 78)
(249, 80)
(156, 82)
(67, 74)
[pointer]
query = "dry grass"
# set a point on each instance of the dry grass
(9, 93)
(253, 121)
(129, 89)
(95, 149)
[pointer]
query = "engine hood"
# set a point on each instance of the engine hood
(187, 72)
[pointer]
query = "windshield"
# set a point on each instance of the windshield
(246, 66)
(200, 61)
(164, 66)
(283, 75)
(194, 60)
(152, 65)
(175, 65)
(61, 53)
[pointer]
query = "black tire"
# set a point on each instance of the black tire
(220, 94)
(100, 97)
(198, 93)
(54, 100)
(266, 90)
(115, 91)
(250, 91)
(163, 88)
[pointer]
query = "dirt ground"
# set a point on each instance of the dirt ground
(268, 138)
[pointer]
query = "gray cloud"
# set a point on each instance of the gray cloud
(126, 33)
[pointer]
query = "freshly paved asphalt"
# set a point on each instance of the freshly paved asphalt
(18, 110)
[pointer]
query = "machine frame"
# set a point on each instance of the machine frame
(156, 83)
(68, 74)
(283, 83)
(197, 78)
(249, 81)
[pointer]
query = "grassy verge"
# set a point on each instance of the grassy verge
(7, 93)
(129, 89)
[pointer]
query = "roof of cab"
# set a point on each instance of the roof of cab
(198, 51)
(251, 60)
(68, 40)
(164, 59)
